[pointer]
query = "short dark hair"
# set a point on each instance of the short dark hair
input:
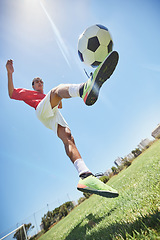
(35, 79)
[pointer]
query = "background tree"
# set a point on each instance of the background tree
(114, 170)
(104, 179)
(19, 234)
(56, 215)
(136, 152)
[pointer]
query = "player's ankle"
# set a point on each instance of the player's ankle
(81, 90)
(73, 90)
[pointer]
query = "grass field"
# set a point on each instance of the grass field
(135, 214)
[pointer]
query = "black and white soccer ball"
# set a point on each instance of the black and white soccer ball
(94, 44)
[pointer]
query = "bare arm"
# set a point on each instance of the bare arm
(10, 70)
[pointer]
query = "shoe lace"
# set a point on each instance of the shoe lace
(98, 174)
(91, 74)
(87, 174)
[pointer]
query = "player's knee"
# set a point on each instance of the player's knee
(55, 91)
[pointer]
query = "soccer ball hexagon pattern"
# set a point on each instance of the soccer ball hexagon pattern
(94, 44)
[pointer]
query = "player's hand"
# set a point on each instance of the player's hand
(9, 66)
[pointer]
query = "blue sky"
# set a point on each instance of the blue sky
(41, 37)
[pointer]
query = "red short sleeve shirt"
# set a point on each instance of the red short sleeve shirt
(32, 98)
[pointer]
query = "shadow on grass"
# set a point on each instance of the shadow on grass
(143, 223)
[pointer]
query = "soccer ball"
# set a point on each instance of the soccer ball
(94, 44)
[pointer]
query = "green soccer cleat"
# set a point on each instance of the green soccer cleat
(92, 87)
(92, 184)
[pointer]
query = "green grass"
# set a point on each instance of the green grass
(135, 214)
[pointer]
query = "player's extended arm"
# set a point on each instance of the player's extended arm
(10, 70)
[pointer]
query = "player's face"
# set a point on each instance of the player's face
(38, 85)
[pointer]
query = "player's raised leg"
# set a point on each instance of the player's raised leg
(64, 91)
(88, 91)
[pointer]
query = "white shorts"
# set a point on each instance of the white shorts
(48, 116)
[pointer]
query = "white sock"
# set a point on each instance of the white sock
(74, 90)
(81, 166)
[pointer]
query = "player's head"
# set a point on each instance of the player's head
(37, 84)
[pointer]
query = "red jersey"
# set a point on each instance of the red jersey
(32, 98)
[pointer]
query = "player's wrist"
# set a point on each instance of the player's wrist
(10, 72)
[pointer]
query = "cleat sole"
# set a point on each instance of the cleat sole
(104, 73)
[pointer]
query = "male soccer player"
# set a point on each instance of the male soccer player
(46, 108)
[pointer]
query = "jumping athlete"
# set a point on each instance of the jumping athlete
(47, 111)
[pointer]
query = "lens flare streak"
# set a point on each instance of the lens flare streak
(59, 39)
